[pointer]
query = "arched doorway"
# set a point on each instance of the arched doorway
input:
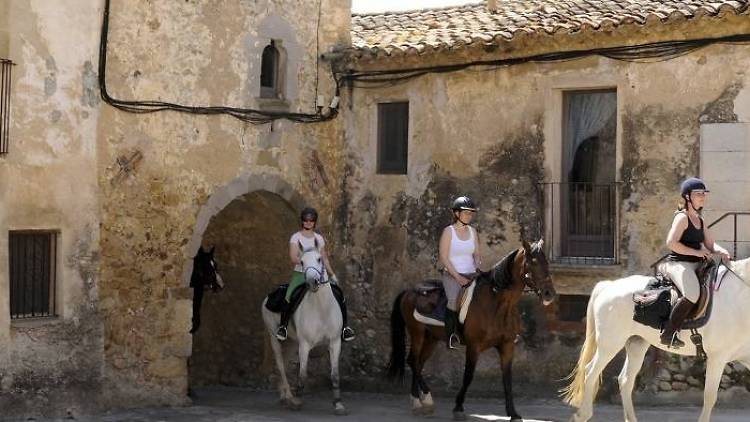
(251, 236)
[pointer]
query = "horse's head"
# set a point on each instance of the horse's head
(205, 271)
(312, 267)
(536, 271)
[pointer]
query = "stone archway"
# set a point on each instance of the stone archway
(250, 232)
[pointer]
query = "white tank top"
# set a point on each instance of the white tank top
(461, 254)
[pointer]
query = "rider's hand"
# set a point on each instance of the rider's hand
(725, 257)
(334, 279)
(463, 281)
(704, 253)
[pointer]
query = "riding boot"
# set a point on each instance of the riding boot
(680, 311)
(286, 313)
(451, 323)
(347, 334)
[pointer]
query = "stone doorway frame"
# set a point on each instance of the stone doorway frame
(222, 196)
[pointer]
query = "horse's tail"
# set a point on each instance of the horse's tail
(573, 393)
(397, 364)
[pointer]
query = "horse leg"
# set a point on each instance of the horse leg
(287, 398)
(425, 397)
(304, 354)
(415, 351)
(197, 301)
(334, 350)
(635, 349)
(602, 356)
(506, 364)
(472, 354)
(714, 370)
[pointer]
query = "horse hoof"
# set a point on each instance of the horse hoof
(459, 416)
(516, 419)
(340, 410)
(292, 403)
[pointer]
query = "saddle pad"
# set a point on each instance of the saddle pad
(463, 311)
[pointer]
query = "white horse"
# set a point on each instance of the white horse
(316, 321)
(610, 326)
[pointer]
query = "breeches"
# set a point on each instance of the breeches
(683, 276)
(452, 290)
(297, 280)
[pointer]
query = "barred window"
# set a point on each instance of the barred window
(33, 262)
(5, 68)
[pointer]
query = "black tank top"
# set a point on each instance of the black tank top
(693, 238)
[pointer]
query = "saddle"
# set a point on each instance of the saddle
(432, 303)
(276, 299)
(654, 304)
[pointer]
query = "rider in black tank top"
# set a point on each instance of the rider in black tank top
(693, 238)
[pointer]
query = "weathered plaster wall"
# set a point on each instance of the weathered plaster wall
(494, 134)
(50, 366)
(176, 171)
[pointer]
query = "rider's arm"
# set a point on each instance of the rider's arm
(294, 253)
(679, 224)
(444, 252)
(477, 252)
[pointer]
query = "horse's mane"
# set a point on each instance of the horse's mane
(502, 273)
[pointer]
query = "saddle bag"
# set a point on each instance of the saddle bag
(652, 306)
(276, 302)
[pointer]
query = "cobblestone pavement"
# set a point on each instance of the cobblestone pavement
(239, 405)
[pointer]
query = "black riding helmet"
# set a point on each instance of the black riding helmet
(691, 184)
(463, 203)
(309, 214)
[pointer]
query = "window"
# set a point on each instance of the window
(572, 308)
(33, 262)
(583, 212)
(393, 137)
(269, 72)
(5, 68)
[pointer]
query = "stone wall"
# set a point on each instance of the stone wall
(48, 182)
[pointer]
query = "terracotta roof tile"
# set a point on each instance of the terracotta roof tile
(420, 31)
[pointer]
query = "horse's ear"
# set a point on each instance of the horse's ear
(526, 246)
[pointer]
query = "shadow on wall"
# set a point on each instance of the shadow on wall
(251, 235)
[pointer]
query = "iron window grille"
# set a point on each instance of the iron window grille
(33, 273)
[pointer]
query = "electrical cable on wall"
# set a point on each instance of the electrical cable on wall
(648, 53)
(244, 114)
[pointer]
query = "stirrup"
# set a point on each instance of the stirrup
(281, 333)
(347, 334)
(454, 341)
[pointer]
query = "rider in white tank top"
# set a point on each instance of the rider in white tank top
(461, 252)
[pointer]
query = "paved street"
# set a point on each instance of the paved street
(238, 405)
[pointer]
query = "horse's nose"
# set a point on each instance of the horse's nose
(548, 296)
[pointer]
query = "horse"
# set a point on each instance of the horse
(205, 274)
(316, 321)
(492, 320)
(610, 326)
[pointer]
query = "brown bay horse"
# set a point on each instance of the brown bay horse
(493, 320)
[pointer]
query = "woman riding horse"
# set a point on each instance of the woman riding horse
(690, 243)
(300, 241)
(459, 254)
(492, 320)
